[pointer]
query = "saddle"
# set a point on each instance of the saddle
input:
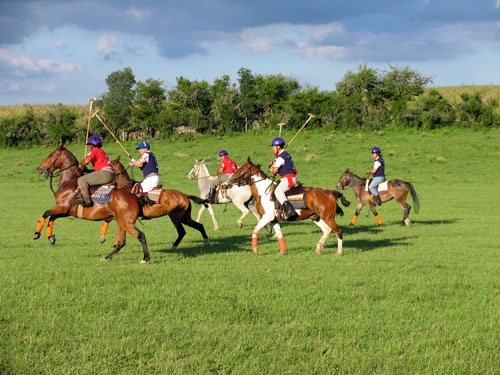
(296, 196)
(381, 188)
(149, 198)
(222, 189)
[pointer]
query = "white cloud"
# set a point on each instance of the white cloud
(62, 43)
(25, 65)
(137, 14)
(108, 43)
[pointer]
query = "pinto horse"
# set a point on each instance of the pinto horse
(123, 206)
(241, 196)
(396, 189)
(320, 206)
(173, 203)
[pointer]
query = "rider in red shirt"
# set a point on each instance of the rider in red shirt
(228, 167)
(103, 171)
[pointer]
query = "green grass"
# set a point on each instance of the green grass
(417, 300)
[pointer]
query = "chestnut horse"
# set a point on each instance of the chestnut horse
(173, 203)
(123, 206)
(396, 189)
(320, 206)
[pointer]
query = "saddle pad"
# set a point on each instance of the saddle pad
(381, 188)
(102, 194)
(154, 195)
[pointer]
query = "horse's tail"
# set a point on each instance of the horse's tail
(343, 199)
(198, 200)
(337, 194)
(414, 196)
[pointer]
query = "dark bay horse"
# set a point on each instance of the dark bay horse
(396, 189)
(173, 203)
(320, 206)
(123, 206)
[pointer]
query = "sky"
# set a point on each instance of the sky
(61, 51)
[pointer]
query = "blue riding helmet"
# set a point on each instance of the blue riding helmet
(143, 144)
(278, 141)
(222, 152)
(95, 141)
(376, 150)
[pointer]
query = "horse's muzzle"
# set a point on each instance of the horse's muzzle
(43, 170)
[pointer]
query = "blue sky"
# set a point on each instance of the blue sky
(61, 51)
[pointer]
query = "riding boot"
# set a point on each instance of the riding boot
(377, 201)
(289, 210)
(211, 195)
(87, 202)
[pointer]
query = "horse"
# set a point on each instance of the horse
(319, 204)
(396, 189)
(123, 206)
(241, 196)
(173, 203)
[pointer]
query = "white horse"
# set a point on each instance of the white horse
(241, 196)
(317, 204)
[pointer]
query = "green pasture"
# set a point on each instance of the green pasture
(402, 300)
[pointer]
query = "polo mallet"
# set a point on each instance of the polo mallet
(91, 100)
(110, 132)
(303, 126)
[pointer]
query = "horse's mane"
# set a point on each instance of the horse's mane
(258, 166)
(63, 148)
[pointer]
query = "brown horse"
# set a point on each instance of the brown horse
(123, 206)
(396, 189)
(318, 204)
(173, 203)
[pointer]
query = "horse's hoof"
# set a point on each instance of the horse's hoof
(52, 240)
(338, 254)
(145, 261)
(105, 260)
(36, 236)
(255, 250)
(207, 243)
(282, 252)
(102, 239)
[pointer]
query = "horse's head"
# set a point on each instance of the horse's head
(244, 173)
(344, 180)
(60, 158)
(199, 170)
(123, 180)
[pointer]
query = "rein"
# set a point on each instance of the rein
(57, 174)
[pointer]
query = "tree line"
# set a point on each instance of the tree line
(365, 100)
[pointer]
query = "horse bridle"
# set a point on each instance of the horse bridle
(51, 174)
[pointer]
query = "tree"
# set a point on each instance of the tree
(190, 103)
(149, 105)
(118, 100)
(224, 103)
(248, 107)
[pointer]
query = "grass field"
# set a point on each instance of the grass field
(402, 300)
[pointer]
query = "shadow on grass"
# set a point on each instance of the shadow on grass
(239, 243)
(376, 244)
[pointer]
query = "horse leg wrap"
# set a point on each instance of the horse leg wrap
(104, 228)
(255, 239)
(39, 224)
(281, 241)
(379, 220)
(50, 228)
(354, 219)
